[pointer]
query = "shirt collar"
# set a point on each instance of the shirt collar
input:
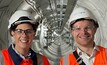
(16, 58)
(17, 52)
(96, 48)
(27, 56)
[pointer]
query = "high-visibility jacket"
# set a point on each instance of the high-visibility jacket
(10, 57)
(100, 58)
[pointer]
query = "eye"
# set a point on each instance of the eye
(89, 27)
(28, 31)
(18, 30)
(76, 28)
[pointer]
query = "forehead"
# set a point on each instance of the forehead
(83, 23)
(24, 26)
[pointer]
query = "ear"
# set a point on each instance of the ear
(95, 30)
(12, 33)
(34, 35)
(71, 32)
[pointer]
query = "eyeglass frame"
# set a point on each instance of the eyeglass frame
(88, 28)
(27, 31)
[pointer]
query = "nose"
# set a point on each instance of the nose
(24, 33)
(84, 31)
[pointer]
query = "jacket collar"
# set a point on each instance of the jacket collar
(16, 58)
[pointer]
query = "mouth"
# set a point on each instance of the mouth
(23, 41)
(84, 37)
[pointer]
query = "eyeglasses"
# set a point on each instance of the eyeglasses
(88, 28)
(27, 32)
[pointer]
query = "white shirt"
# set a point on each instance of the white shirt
(88, 60)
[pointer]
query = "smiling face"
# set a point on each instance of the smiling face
(83, 32)
(23, 36)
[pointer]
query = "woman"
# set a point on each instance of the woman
(22, 28)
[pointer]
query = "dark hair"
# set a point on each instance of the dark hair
(14, 25)
(94, 22)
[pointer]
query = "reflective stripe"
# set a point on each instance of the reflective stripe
(66, 61)
(100, 58)
(41, 60)
(106, 52)
(1, 59)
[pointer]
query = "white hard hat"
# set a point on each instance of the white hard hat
(18, 14)
(80, 12)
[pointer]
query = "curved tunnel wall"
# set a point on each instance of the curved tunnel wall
(97, 7)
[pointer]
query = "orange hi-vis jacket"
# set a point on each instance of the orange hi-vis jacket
(100, 58)
(12, 58)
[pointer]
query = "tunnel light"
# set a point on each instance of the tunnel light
(56, 33)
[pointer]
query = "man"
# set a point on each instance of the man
(22, 28)
(83, 26)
